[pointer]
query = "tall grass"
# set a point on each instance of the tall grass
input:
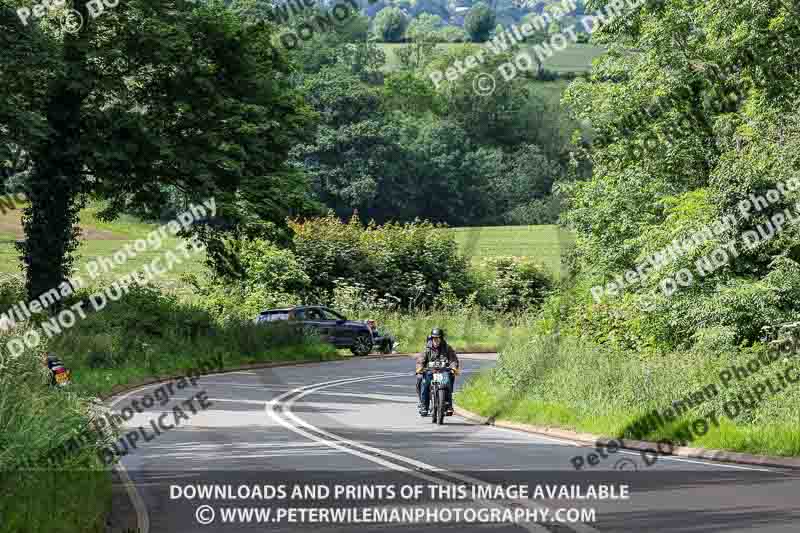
(150, 333)
(467, 329)
(35, 419)
(145, 333)
(569, 382)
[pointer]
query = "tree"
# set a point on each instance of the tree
(390, 25)
(387, 155)
(512, 113)
(353, 141)
(450, 175)
(702, 116)
(479, 22)
(539, 35)
(193, 106)
(422, 27)
(405, 91)
(422, 34)
(364, 59)
(437, 8)
(527, 176)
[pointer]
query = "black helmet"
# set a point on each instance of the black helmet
(437, 332)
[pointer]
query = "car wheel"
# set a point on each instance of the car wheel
(362, 345)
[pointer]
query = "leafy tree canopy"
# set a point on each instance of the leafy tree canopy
(479, 22)
(390, 25)
(151, 93)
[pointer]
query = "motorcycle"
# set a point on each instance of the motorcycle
(439, 389)
(60, 375)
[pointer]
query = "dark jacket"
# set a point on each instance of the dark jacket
(431, 354)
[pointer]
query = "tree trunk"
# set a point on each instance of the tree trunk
(56, 182)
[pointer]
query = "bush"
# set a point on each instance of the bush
(514, 284)
(274, 269)
(147, 333)
(12, 290)
(408, 262)
(467, 327)
(273, 277)
(353, 299)
(229, 303)
(452, 34)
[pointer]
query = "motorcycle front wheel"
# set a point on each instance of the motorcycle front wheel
(441, 399)
(435, 404)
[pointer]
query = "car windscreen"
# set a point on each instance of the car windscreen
(331, 315)
(271, 317)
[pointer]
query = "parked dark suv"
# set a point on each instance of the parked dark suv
(330, 325)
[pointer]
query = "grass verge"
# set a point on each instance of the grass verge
(467, 330)
(144, 333)
(569, 383)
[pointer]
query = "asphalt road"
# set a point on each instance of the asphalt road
(353, 426)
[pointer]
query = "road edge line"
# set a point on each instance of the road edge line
(142, 516)
(717, 456)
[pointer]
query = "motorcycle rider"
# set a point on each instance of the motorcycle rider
(384, 342)
(435, 348)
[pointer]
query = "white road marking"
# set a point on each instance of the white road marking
(242, 386)
(334, 440)
(700, 462)
(143, 518)
(379, 397)
(629, 452)
(255, 402)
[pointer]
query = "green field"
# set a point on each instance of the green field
(100, 239)
(545, 244)
(575, 58)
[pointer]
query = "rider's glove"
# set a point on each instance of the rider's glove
(419, 370)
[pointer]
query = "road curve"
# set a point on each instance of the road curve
(353, 425)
